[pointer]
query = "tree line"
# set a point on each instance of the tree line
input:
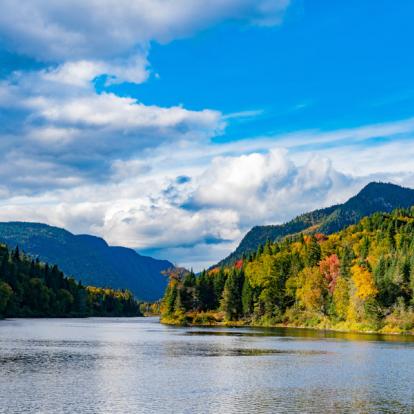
(29, 288)
(359, 278)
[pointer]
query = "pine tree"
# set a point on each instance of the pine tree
(178, 303)
(247, 297)
(231, 301)
(219, 282)
(267, 247)
(365, 248)
(205, 292)
(346, 262)
(313, 252)
(259, 251)
(16, 254)
(169, 298)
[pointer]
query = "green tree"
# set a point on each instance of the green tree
(231, 301)
(206, 292)
(313, 253)
(247, 297)
(219, 282)
(6, 293)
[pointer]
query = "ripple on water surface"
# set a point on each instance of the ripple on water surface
(140, 366)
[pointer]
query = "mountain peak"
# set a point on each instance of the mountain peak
(378, 196)
(375, 187)
(374, 197)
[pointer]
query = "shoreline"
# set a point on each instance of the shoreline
(6, 318)
(333, 330)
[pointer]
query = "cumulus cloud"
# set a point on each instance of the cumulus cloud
(114, 35)
(194, 216)
(220, 204)
(71, 130)
(267, 187)
(102, 28)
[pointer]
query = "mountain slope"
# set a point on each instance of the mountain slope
(374, 197)
(89, 258)
(360, 279)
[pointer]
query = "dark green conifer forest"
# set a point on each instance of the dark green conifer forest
(29, 288)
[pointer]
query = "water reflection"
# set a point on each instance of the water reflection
(299, 333)
(140, 366)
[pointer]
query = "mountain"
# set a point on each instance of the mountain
(89, 258)
(374, 197)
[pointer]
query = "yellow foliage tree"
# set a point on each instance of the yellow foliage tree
(364, 282)
(340, 298)
(311, 288)
(258, 272)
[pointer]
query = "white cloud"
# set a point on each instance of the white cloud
(65, 126)
(231, 181)
(112, 112)
(114, 35)
(81, 72)
(197, 220)
(69, 29)
(269, 187)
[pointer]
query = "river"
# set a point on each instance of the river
(136, 365)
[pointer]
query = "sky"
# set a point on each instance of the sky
(174, 126)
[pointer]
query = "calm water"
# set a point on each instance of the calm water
(140, 366)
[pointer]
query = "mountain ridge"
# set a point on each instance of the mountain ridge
(373, 197)
(89, 258)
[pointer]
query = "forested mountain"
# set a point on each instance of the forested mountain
(89, 259)
(375, 197)
(29, 288)
(359, 278)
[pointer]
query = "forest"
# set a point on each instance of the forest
(360, 278)
(29, 288)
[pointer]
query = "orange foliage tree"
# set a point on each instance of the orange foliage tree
(330, 270)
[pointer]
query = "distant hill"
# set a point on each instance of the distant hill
(374, 197)
(89, 258)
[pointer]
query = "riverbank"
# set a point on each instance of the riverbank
(209, 319)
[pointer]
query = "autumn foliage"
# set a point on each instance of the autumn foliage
(359, 278)
(330, 268)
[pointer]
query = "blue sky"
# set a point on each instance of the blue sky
(174, 126)
(329, 65)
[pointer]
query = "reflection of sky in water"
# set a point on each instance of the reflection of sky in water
(137, 365)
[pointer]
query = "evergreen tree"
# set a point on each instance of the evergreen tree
(365, 248)
(205, 292)
(16, 254)
(30, 288)
(267, 248)
(231, 301)
(169, 299)
(346, 262)
(219, 282)
(313, 252)
(247, 297)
